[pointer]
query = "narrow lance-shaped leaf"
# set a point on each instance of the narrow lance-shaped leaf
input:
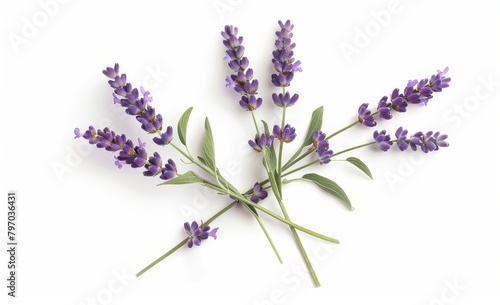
(315, 124)
(182, 125)
(208, 147)
(229, 186)
(186, 178)
(190, 178)
(270, 155)
(359, 164)
(328, 186)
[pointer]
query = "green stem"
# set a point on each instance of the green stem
(353, 148)
(283, 220)
(285, 212)
(193, 160)
(255, 123)
(342, 130)
(266, 233)
(335, 154)
(291, 163)
(299, 168)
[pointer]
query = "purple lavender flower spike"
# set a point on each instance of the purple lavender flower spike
(196, 233)
(242, 80)
(258, 193)
(283, 60)
(135, 156)
(165, 138)
(324, 152)
(384, 109)
(383, 140)
(261, 142)
(129, 97)
(401, 138)
(169, 171)
(286, 135)
(365, 116)
(284, 100)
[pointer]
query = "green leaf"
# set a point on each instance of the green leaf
(202, 160)
(315, 124)
(182, 125)
(186, 178)
(208, 147)
(252, 210)
(266, 128)
(330, 187)
(359, 164)
(271, 159)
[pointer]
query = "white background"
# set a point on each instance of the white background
(424, 231)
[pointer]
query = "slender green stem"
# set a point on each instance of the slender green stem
(335, 154)
(288, 165)
(285, 212)
(342, 130)
(194, 161)
(299, 168)
(267, 234)
(283, 220)
(291, 163)
(280, 153)
(255, 123)
(164, 256)
(353, 148)
(272, 179)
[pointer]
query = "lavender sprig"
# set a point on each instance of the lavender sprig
(128, 96)
(128, 153)
(415, 92)
(242, 80)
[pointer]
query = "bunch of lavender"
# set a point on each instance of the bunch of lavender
(270, 143)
